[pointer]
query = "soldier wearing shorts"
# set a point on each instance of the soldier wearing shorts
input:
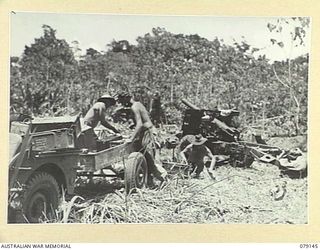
(143, 135)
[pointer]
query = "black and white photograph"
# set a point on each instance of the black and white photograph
(158, 119)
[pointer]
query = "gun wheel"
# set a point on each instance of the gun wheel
(41, 198)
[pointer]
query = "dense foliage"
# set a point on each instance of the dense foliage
(49, 76)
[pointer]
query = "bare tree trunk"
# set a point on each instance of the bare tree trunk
(171, 92)
(263, 116)
(198, 88)
(172, 86)
(211, 86)
(292, 96)
(108, 84)
(297, 120)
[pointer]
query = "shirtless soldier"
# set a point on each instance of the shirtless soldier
(95, 115)
(143, 135)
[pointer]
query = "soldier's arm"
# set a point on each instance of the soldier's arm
(209, 153)
(182, 153)
(105, 123)
(151, 104)
(109, 126)
(213, 160)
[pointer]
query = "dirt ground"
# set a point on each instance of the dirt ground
(256, 195)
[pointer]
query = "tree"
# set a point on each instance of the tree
(46, 73)
(208, 73)
(296, 29)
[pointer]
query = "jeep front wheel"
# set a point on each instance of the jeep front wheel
(41, 198)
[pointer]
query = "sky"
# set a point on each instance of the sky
(97, 30)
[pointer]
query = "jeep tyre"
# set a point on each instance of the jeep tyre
(41, 198)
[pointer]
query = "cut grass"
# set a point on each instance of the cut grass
(236, 196)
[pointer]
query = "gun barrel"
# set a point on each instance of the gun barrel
(189, 104)
(229, 130)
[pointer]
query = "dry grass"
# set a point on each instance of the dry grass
(236, 196)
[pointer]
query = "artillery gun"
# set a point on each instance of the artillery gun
(223, 138)
(216, 125)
